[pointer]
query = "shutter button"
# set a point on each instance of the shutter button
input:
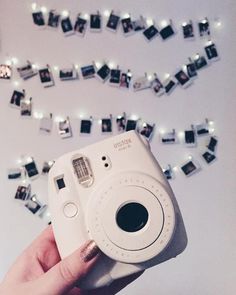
(70, 210)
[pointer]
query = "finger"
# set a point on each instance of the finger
(68, 272)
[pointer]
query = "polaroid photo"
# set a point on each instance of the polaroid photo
(183, 79)
(33, 204)
(68, 74)
(156, 86)
(38, 18)
(168, 172)
(17, 97)
(188, 30)
(27, 71)
(150, 33)
(95, 22)
(103, 73)
(31, 169)
(139, 24)
(212, 144)
(26, 107)
(46, 77)
(88, 71)
(115, 76)
(147, 130)
(190, 69)
(127, 26)
(191, 167)
(208, 157)
(80, 26)
(141, 83)
(131, 124)
(125, 79)
(169, 85)
(45, 215)
(169, 137)
(64, 128)
(86, 126)
(46, 124)
(190, 137)
(53, 19)
(200, 61)
(46, 167)
(15, 173)
(121, 122)
(202, 129)
(211, 52)
(204, 27)
(167, 31)
(106, 125)
(67, 27)
(23, 193)
(113, 22)
(5, 72)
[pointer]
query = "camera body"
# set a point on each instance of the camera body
(115, 193)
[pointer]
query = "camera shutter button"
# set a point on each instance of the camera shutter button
(70, 210)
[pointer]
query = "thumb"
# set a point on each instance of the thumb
(66, 274)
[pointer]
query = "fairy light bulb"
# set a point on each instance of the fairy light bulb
(44, 9)
(65, 13)
(149, 22)
(106, 13)
(34, 6)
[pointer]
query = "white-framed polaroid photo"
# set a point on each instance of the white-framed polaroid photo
(95, 24)
(33, 204)
(5, 72)
(212, 144)
(208, 157)
(64, 128)
(157, 86)
(115, 76)
(183, 79)
(53, 19)
(190, 137)
(86, 126)
(15, 173)
(139, 24)
(167, 31)
(113, 21)
(27, 71)
(47, 165)
(80, 26)
(147, 130)
(125, 79)
(127, 26)
(121, 122)
(46, 77)
(106, 125)
(88, 71)
(103, 73)
(190, 69)
(26, 107)
(23, 193)
(188, 30)
(211, 51)
(204, 27)
(169, 137)
(38, 18)
(31, 169)
(16, 98)
(169, 85)
(190, 167)
(46, 124)
(168, 172)
(131, 124)
(67, 74)
(141, 83)
(67, 27)
(200, 61)
(203, 128)
(151, 32)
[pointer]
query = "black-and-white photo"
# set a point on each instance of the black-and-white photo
(103, 72)
(150, 33)
(127, 26)
(33, 204)
(38, 18)
(5, 72)
(125, 79)
(95, 22)
(131, 124)
(17, 97)
(141, 83)
(202, 129)
(85, 126)
(147, 130)
(115, 77)
(169, 137)
(26, 107)
(46, 124)
(190, 167)
(106, 125)
(31, 168)
(23, 192)
(139, 24)
(188, 30)
(64, 128)
(211, 52)
(191, 69)
(156, 86)
(113, 22)
(121, 122)
(46, 77)
(88, 71)
(27, 71)
(15, 173)
(66, 26)
(190, 138)
(67, 74)
(212, 144)
(168, 172)
(80, 26)
(47, 166)
(53, 19)
(169, 85)
(167, 32)
(204, 27)
(208, 157)
(200, 61)
(182, 78)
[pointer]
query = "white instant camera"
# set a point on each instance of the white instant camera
(115, 193)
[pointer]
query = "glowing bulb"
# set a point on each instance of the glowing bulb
(211, 123)
(29, 159)
(86, 16)
(149, 77)
(76, 67)
(111, 65)
(204, 21)
(126, 15)
(106, 13)
(167, 76)
(184, 24)
(98, 64)
(56, 68)
(35, 66)
(58, 119)
(149, 22)
(65, 13)
(19, 161)
(100, 122)
(181, 134)
(50, 163)
(16, 83)
(44, 9)
(212, 130)
(14, 60)
(162, 131)
(164, 23)
(175, 168)
(218, 24)
(134, 117)
(190, 157)
(8, 62)
(38, 115)
(34, 6)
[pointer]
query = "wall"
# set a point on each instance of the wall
(207, 199)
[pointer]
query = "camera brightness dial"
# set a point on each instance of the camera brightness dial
(131, 217)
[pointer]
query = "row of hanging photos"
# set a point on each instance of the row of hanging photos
(106, 71)
(52, 19)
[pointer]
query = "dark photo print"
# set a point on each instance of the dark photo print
(95, 22)
(66, 26)
(200, 61)
(150, 32)
(211, 52)
(53, 19)
(127, 26)
(189, 168)
(103, 73)
(106, 125)
(22, 192)
(113, 22)
(182, 78)
(167, 32)
(115, 77)
(131, 125)
(85, 126)
(208, 157)
(88, 71)
(125, 80)
(16, 98)
(121, 122)
(38, 18)
(188, 31)
(147, 130)
(31, 169)
(204, 27)
(80, 26)
(191, 70)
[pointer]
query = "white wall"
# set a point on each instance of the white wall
(207, 199)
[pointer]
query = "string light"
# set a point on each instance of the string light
(44, 9)
(34, 6)
(149, 21)
(164, 23)
(65, 13)
(106, 13)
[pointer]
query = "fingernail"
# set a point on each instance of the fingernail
(90, 251)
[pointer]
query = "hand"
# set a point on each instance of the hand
(40, 271)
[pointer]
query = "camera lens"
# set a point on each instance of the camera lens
(132, 217)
